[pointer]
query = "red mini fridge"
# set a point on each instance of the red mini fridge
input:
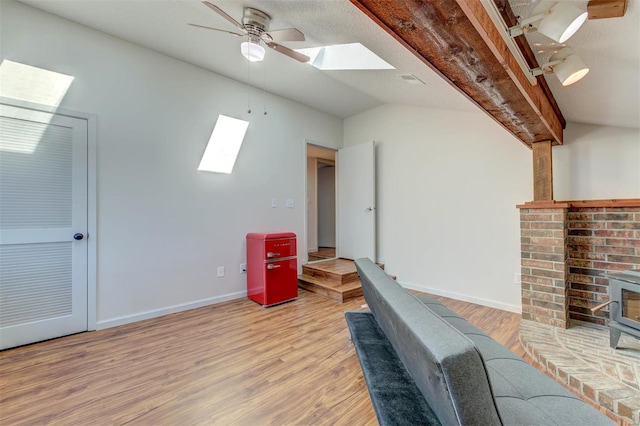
(272, 268)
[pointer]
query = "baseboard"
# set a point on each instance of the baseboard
(478, 301)
(127, 319)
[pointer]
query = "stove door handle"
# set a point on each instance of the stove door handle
(272, 266)
(602, 306)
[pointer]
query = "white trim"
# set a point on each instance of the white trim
(316, 214)
(127, 319)
(92, 195)
(92, 221)
(305, 239)
(478, 301)
(45, 108)
(308, 142)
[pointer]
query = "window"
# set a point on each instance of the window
(224, 145)
(27, 83)
(352, 56)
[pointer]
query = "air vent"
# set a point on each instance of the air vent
(411, 79)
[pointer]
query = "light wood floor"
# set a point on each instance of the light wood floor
(234, 363)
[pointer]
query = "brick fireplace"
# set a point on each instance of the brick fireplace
(565, 248)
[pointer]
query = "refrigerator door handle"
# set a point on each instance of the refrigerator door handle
(273, 266)
(271, 254)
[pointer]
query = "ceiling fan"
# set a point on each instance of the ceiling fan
(255, 27)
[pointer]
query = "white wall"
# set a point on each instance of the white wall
(163, 227)
(597, 162)
(312, 208)
(448, 183)
(447, 188)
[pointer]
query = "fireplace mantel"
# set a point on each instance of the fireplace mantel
(625, 202)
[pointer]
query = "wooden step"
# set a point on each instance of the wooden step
(336, 279)
(336, 271)
(332, 290)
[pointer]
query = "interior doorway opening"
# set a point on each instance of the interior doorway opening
(321, 203)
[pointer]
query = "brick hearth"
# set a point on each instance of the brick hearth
(581, 359)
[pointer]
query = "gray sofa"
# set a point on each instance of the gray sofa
(424, 364)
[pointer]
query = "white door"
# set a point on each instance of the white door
(356, 202)
(43, 225)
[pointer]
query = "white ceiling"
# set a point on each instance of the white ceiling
(609, 95)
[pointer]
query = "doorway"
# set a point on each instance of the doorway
(321, 203)
(47, 206)
(348, 212)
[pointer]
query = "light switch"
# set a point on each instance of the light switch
(289, 203)
(274, 203)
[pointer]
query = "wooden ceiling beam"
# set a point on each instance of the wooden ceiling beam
(542, 171)
(600, 9)
(458, 40)
(511, 20)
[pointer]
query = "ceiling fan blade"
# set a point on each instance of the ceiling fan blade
(223, 14)
(216, 29)
(286, 34)
(290, 53)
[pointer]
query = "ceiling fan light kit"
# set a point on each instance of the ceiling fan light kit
(255, 26)
(252, 51)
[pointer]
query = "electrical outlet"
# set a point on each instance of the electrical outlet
(220, 271)
(517, 278)
(243, 268)
(289, 203)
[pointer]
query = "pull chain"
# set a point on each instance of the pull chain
(264, 88)
(248, 83)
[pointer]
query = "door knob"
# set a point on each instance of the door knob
(78, 236)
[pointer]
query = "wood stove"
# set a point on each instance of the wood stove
(624, 298)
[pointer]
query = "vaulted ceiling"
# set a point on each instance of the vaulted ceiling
(609, 95)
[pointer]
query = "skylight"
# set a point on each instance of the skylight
(352, 56)
(224, 145)
(27, 83)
